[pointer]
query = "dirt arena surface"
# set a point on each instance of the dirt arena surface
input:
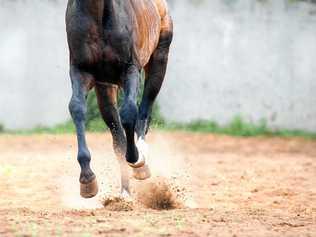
(223, 186)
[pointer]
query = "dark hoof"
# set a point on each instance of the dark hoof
(142, 173)
(140, 163)
(89, 190)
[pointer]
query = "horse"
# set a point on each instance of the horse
(111, 42)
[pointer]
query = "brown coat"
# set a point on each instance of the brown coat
(123, 31)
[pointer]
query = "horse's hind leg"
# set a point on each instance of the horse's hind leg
(81, 84)
(155, 73)
(107, 100)
(128, 114)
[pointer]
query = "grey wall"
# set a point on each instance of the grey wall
(34, 84)
(244, 58)
(228, 57)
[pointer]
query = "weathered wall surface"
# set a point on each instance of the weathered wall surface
(243, 57)
(34, 84)
(231, 57)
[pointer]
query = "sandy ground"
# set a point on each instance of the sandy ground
(224, 187)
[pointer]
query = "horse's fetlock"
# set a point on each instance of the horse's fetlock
(84, 158)
(132, 154)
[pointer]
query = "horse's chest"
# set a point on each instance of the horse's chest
(113, 63)
(106, 59)
(85, 44)
(117, 47)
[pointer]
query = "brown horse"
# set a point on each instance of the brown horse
(110, 43)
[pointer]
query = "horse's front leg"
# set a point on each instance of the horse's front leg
(81, 83)
(129, 114)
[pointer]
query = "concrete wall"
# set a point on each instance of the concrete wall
(244, 58)
(34, 84)
(228, 57)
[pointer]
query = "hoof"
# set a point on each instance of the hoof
(142, 154)
(89, 190)
(141, 173)
(140, 163)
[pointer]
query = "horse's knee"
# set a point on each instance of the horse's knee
(128, 113)
(77, 109)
